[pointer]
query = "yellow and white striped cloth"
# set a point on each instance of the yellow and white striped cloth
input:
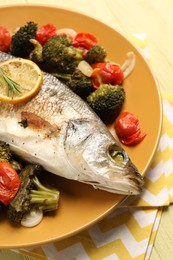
(129, 231)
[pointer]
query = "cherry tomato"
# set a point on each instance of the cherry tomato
(45, 32)
(128, 129)
(108, 73)
(126, 124)
(134, 139)
(84, 40)
(5, 39)
(9, 183)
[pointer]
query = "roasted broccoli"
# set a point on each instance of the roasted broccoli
(36, 54)
(77, 82)
(60, 56)
(5, 152)
(20, 42)
(96, 54)
(6, 156)
(31, 194)
(107, 100)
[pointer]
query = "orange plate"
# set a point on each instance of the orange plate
(81, 205)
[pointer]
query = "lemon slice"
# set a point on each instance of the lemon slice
(20, 80)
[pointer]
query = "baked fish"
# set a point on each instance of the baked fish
(59, 131)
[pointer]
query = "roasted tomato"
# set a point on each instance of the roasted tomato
(45, 32)
(84, 40)
(5, 39)
(9, 183)
(106, 73)
(128, 129)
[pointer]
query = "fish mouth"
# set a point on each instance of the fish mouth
(123, 185)
(134, 183)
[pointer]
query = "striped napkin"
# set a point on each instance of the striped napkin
(128, 232)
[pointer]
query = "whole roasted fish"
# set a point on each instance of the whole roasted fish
(58, 130)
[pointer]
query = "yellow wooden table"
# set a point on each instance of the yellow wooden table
(154, 17)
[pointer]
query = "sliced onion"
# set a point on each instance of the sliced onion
(129, 64)
(67, 31)
(32, 218)
(85, 68)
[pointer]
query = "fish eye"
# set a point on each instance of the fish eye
(117, 154)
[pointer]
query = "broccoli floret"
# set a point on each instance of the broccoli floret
(31, 193)
(80, 84)
(95, 54)
(5, 152)
(6, 156)
(60, 56)
(107, 100)
(20, 42)
(16, 165)
(36, 54)
(77, 82)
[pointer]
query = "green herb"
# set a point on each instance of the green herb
(13, 86)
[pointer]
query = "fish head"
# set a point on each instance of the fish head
(99, 159)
